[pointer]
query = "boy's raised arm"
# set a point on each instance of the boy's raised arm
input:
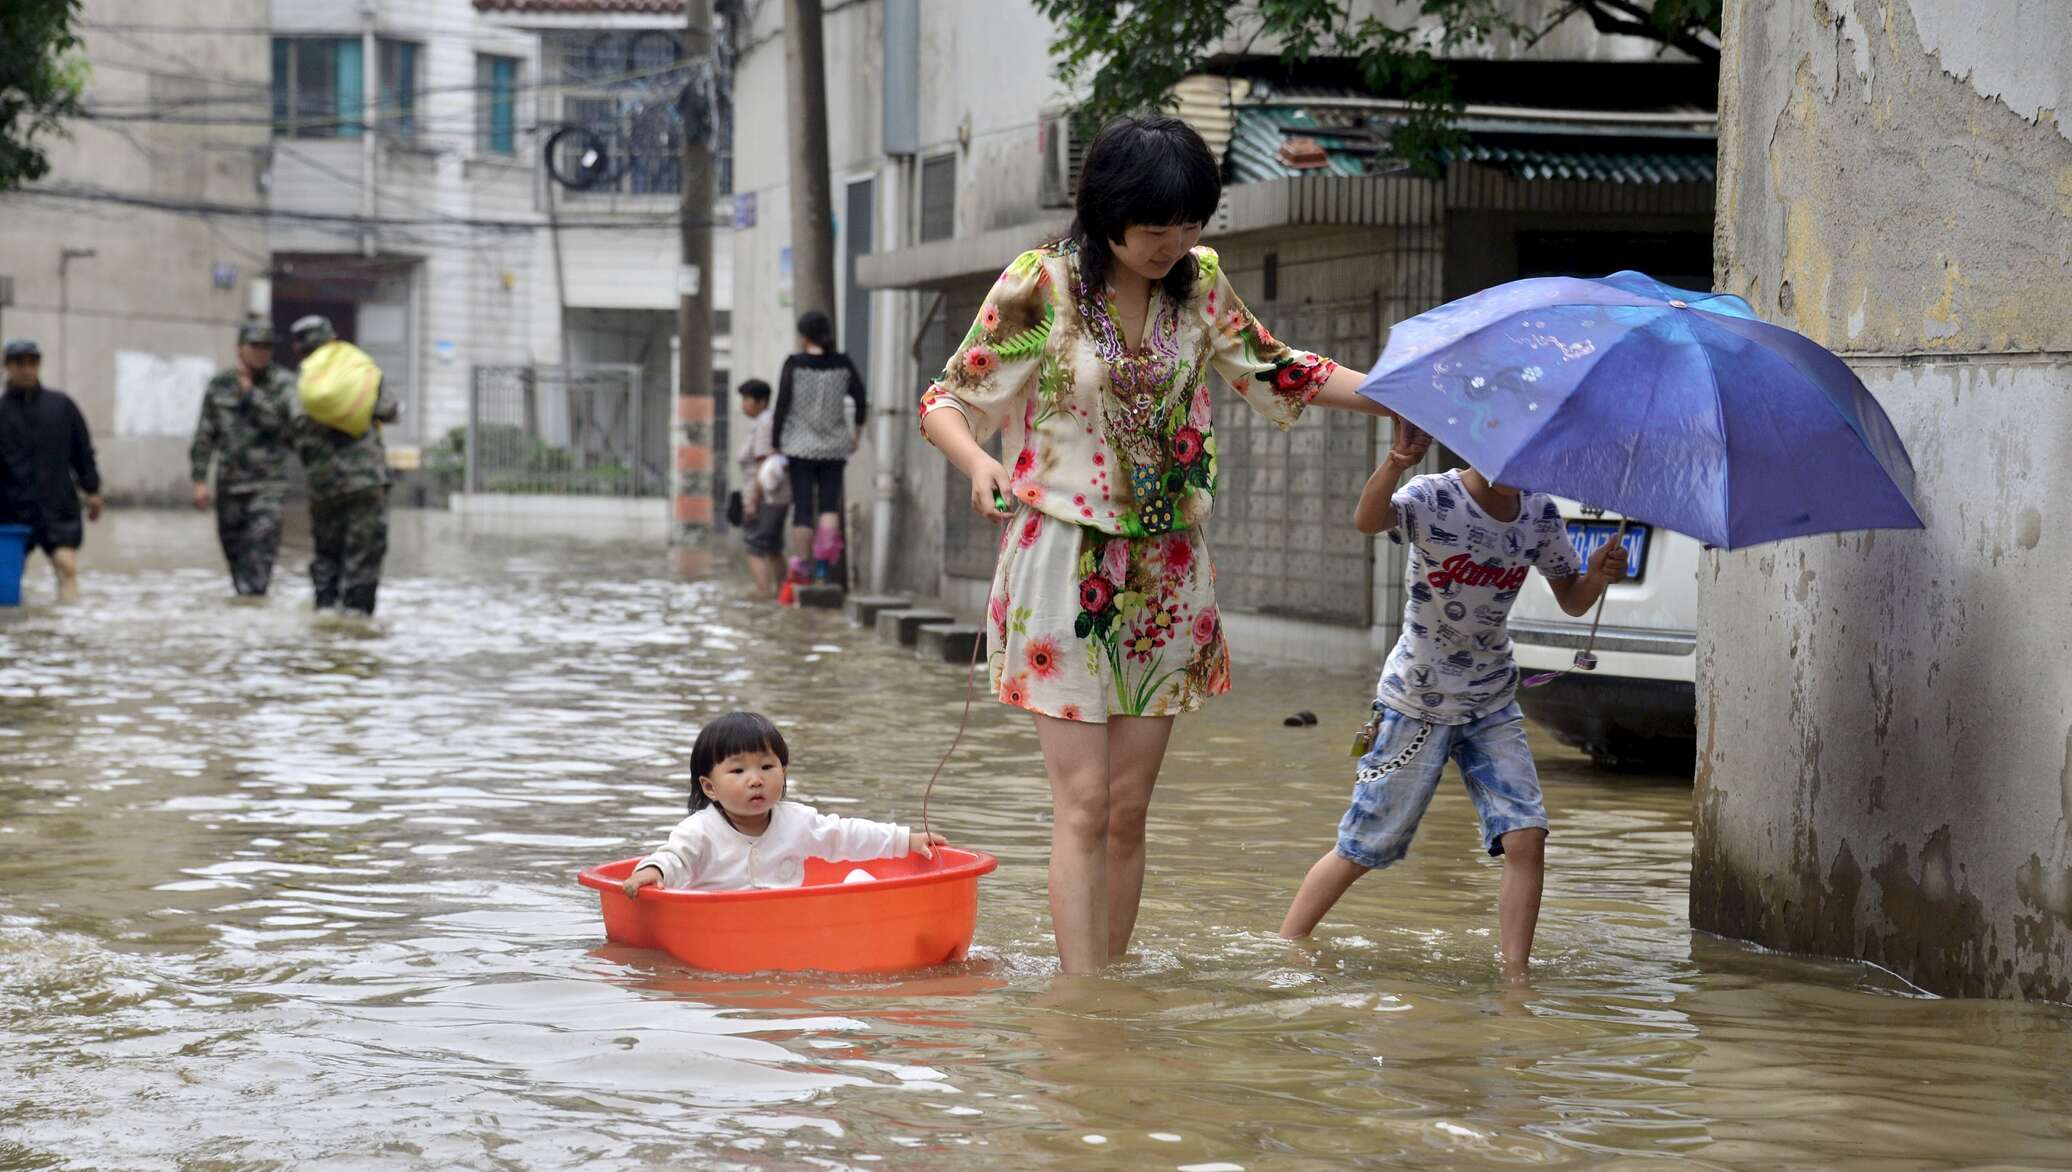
(1376, 512)
(1577, 594)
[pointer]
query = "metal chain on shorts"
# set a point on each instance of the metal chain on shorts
(1416, 746)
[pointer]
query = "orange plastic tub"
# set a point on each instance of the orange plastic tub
(917, 912)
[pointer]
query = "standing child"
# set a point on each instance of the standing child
(742, 834)
(1449, 687)
(765, 490)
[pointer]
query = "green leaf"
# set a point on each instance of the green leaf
(41, 81)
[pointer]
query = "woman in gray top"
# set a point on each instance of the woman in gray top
(816, 431)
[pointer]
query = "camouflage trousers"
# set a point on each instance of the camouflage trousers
(350, 533)
(249, 526)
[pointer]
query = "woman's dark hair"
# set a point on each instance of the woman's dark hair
(815, 327)
(736, 732)
(1143, 170)
(754, 388)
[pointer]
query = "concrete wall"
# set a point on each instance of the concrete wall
(148, 321)
(1885, 719)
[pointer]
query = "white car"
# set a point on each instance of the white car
(1639, 707)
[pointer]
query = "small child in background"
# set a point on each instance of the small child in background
(1449, 688)
(743, 835)
(765, 490)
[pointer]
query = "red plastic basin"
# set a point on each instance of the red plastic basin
(918, 912)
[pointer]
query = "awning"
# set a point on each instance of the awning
(1287, 131)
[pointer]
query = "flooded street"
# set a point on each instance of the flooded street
(283, 892)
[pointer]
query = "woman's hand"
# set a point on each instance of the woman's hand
(646, 876)
(924, 844)
(989, 480)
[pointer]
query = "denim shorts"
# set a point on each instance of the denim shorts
(1400, 773)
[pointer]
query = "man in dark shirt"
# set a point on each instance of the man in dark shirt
(44, 448)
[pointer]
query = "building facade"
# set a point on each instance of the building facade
(970, 159)
(133, 262)
(452, 231)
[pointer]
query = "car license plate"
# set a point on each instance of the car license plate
(1591, 536)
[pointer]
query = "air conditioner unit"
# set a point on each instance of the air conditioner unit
(1063, 146)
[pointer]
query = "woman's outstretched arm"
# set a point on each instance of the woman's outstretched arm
(1342, 390)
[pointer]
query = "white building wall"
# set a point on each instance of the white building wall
(482, 294)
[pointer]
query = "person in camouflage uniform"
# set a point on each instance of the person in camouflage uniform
(247, 424)
(348, 492)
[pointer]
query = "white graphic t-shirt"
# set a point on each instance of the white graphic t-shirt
(1453, 664)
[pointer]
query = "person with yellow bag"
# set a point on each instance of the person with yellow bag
(341, 405)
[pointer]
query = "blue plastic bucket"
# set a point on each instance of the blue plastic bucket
(14, 550)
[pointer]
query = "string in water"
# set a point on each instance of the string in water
(970, 693)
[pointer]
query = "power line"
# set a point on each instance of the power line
(206, 208)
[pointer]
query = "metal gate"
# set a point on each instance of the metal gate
(558, 431)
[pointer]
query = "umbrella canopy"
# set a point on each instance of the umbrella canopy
(1666, 405)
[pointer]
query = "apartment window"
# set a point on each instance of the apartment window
(320, 87)
(398, 95)
(496, 103)
(317, 87)
(939, 198)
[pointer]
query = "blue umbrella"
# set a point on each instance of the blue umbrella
(1665, 405)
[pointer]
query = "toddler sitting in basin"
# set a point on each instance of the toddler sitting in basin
(742, 834)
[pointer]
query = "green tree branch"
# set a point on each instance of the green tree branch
(41, 79)
(1127, 57)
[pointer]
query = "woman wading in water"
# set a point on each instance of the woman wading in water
(1093, 356)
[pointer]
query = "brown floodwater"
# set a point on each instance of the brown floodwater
(282, 892)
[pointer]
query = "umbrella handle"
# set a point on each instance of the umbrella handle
(1586, 659)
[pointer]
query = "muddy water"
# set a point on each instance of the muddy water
(276, 892)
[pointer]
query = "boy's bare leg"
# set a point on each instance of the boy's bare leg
(66, 563)
(767, 570)
(1327, 880)
(1518, 904)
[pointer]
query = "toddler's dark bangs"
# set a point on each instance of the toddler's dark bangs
(736, 732)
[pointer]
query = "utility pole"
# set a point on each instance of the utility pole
(697, 408)
(812, 192)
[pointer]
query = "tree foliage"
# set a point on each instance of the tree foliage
(1128, 56)
(41, 79)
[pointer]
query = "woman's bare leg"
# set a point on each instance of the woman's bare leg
(1075, 754)
(1136, 751)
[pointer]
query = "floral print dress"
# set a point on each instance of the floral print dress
(1103, 602)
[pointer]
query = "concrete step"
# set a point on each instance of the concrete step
(820, 596)
(947, 642)
(902, 626)
(865, 608)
